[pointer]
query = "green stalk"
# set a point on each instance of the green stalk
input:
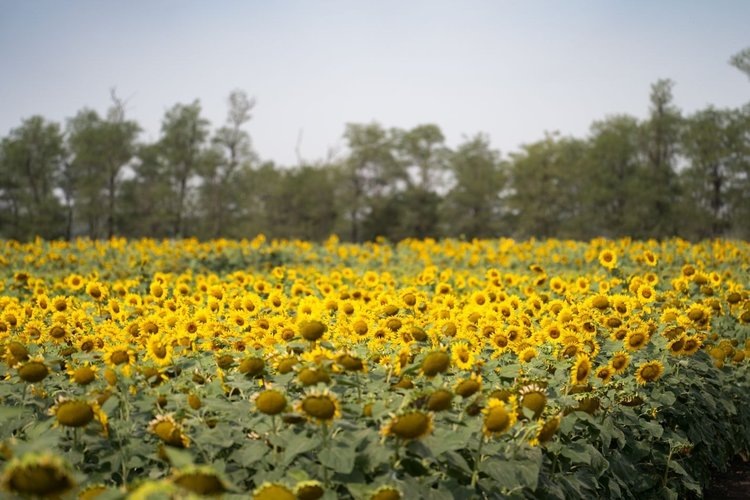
(475, 473)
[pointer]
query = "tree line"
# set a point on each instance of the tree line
(670, 174)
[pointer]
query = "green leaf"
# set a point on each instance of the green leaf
(653, 428)
(251, 453)
(298, 445)
(178, 458)
(10, 412)
(509, 371)
(339, 457)
(512, 474)
(446, 441)
(577, 453)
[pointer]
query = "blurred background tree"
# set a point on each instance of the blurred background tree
(666, 175)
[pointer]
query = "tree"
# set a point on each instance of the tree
(221, 199)
(369, 175)
(101, 148)
(661, 134)
(545, 198)
(184, 133)
(610, 179)
(423, 156)
(31, 162)
(146, 198)
(741, 61)
(474, 207)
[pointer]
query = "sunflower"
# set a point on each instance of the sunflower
(468, 387)
(309, 490)
(201, 480)
(608, 258)
(386, 493)
(534, 398)
(273, 491)
(312, 330)
(435, 362)
(619, 362)
(646, 294)
(270, 402)
(169, 431)
(649, 371)
(252, 366)
(498, 417)
(411, 425)
(83, 374)
(676, 345)
(34, 370)
(440, 400)
(38, 475)
(650, 258)
(121, 356)
(604, 373)
(462, 356)
(692, 345)
(308, 376)
(320, 406)
(581, 370)
(547, 430)
(527, 354)
(635, 339)
(97, 291)
(160, 350)
(77, 412)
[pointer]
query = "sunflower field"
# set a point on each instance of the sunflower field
(277, 370)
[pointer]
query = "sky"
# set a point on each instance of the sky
(510, 69)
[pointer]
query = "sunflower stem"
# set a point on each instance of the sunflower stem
(359, 388)
(666, 468)
(324, 446)
(475, 472)
(276, 451)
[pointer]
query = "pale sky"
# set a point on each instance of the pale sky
(512, 70)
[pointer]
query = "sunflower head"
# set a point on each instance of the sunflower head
(410, 425)
(312, 330)
(270, 402)
(468, 387)
(74, 412)
(320, 406)
(169, 431)
(548, 429)
(33, 371)
(581, 370)
(649, 371)
(386, 493)
(273, 491)
(439, 400)
(42, 475)
(313, 375)
(435, 362)
(309, 490)
(533, 397)
(608, 258)
(498, 417)
(84, 374)
(350, 362)
(201, 480)
(252, 366)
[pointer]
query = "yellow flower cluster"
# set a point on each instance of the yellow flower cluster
(290, 306)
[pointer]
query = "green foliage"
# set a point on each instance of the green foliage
(667, 175)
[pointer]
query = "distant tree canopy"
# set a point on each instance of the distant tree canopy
(667, 175)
